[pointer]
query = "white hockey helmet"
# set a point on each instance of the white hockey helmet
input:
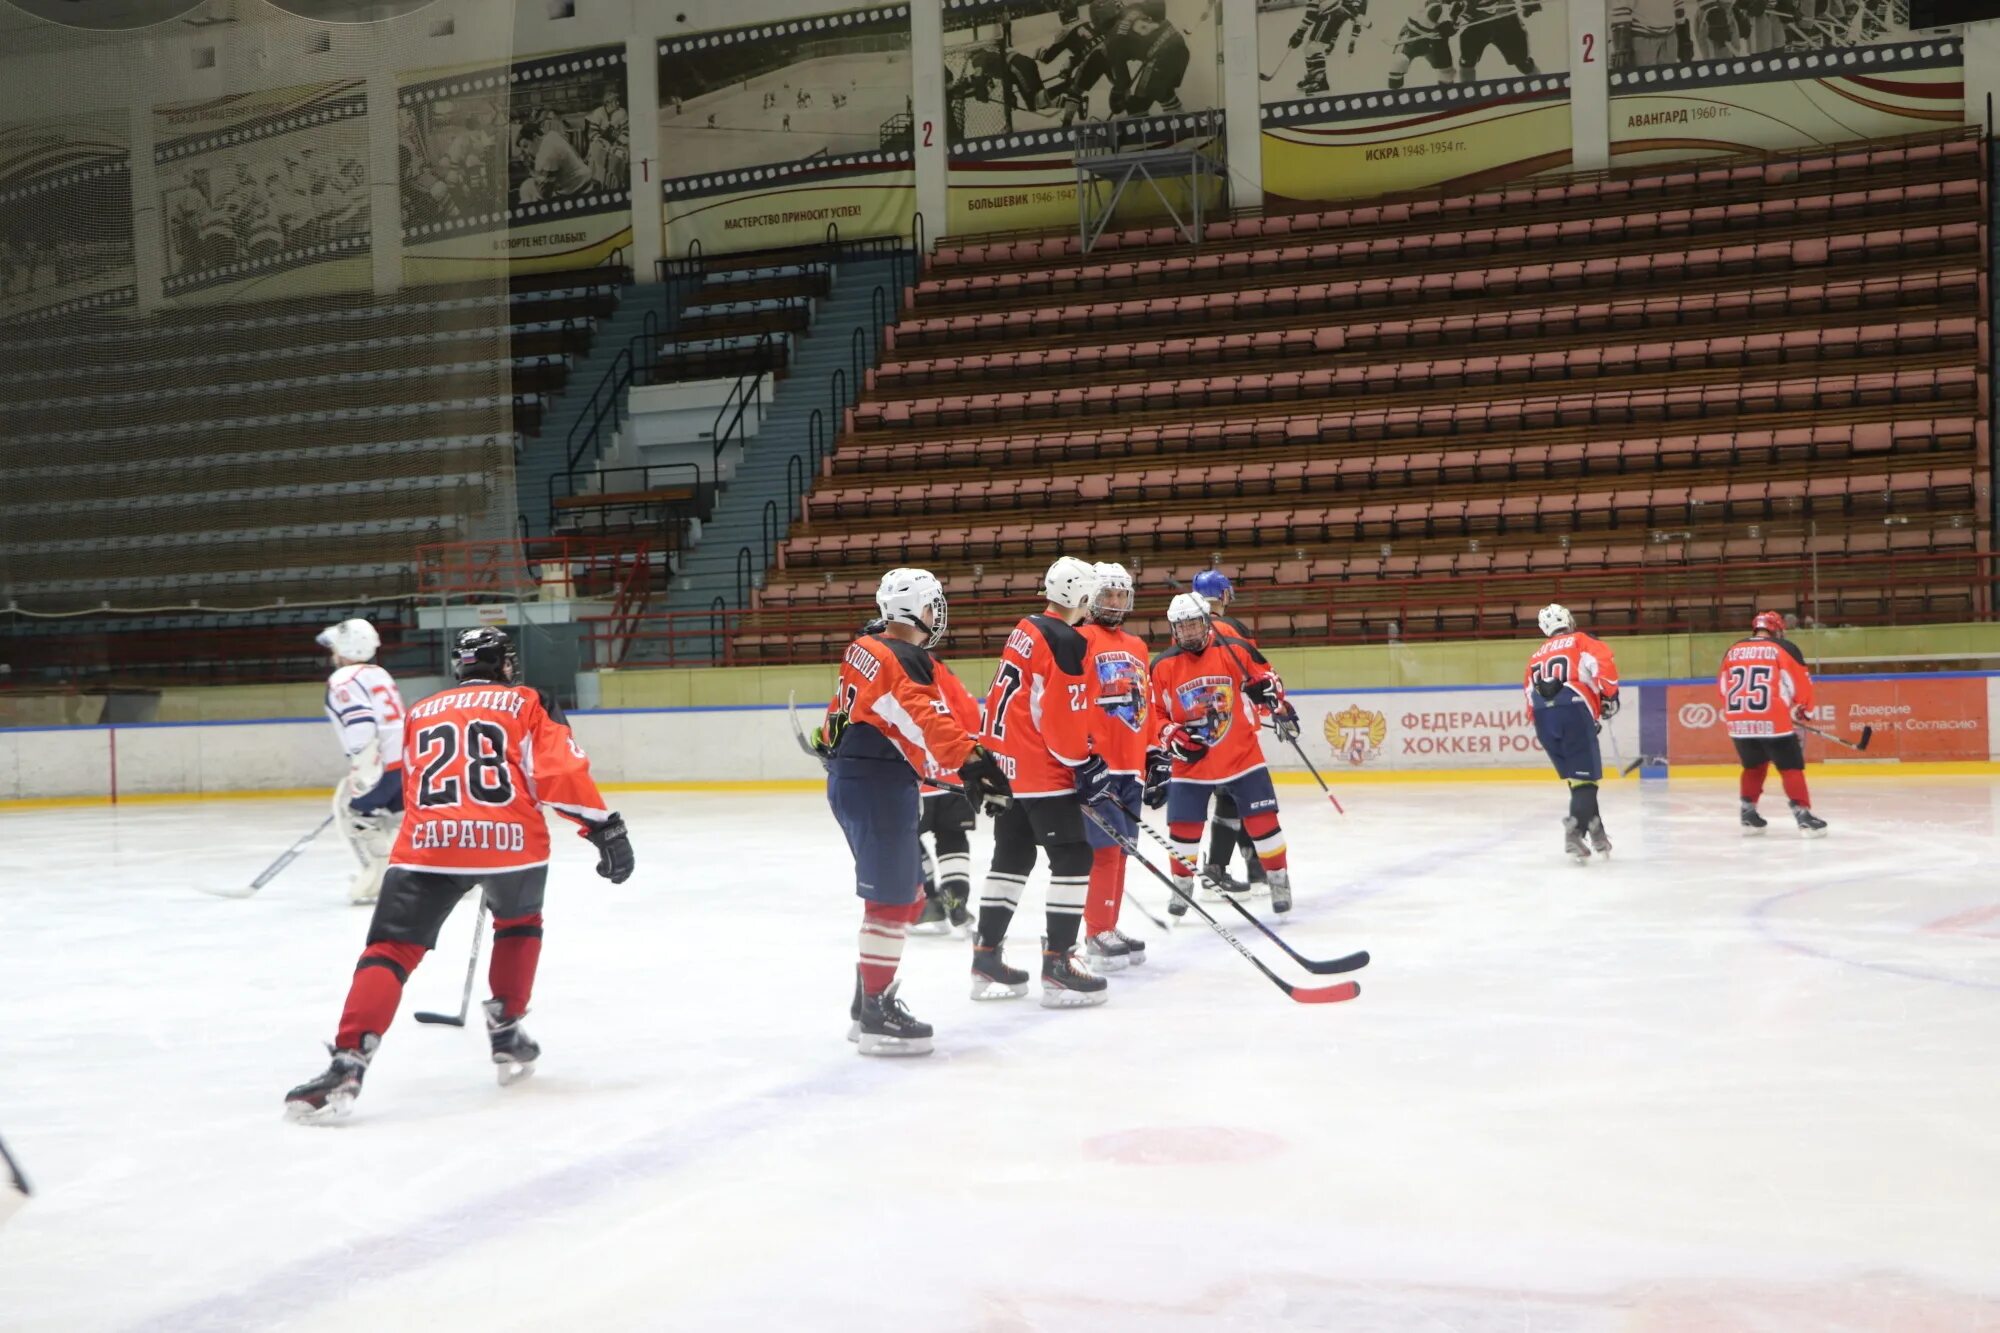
(1187, 620)
(351, 640)
(905, 596)
(1111, 599)
(1555, 619)
(1069, 582)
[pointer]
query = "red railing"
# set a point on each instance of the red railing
(537, 567)
(1646, 598)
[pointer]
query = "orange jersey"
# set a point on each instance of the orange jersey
(1577, 661)
(1121, 692)
(1761, 682)
(1203, 691)
(1038, 710)
(895, 708)
(1234, 628)
(964, 710)
(481, 762)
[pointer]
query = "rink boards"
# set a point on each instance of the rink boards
(1472, 732)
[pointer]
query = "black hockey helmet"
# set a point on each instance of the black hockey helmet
(485, 653)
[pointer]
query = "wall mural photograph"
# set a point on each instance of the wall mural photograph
(65, 216)
(1313, 47)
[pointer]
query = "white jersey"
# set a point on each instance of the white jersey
(363, 705)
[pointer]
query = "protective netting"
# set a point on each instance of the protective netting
(225, 380)
(982, 92)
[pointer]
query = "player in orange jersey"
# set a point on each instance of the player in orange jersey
(949, 818)
(484, 759)
(1572, 688)
(1225, 827)
(1766, 690)
(1208, 689)
(1116, 669)
(1038, 720)
(886, 725)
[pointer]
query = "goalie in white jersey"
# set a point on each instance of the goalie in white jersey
(367, 714)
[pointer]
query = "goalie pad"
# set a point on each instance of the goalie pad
(370, 836)
(364, 766)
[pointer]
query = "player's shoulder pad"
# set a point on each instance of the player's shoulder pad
(915, 661)
(550, 706)
(1797, 654)
(1066, 643)
(1175, 651)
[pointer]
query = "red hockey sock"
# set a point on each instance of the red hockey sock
(1187, 847)
(1795, 786)
(1267, 838)
(1100, 909)
(882, 931)
(376, 991)
(1118, 891)
(1752, 783)
(517, 949)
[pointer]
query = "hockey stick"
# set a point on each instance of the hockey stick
(1279, 67)
(14, 1189)
(471, 967)
(1353, 962)
(1293, 740)
(1867, 734)
(1334, 994)
(290, 855)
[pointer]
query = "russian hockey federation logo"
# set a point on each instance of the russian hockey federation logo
(1356, 734)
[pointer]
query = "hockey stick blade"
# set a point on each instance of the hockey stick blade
(1867, 735)
(448, 1020)
(1319, 967)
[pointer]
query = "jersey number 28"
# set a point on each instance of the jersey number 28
(485, 770)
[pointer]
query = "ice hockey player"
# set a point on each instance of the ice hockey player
(1208, 689)
(487, 757)
(1225, 831)
(1119, 688)
(1148, 56)
(886, 724)
(1497, 25)
(1038, 721)
(367, 716)
(1426, 35)
(1319, 31)
(1766, 691)
(949, 819)
(1572, 687)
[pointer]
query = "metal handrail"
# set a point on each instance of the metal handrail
(746, 575)
(703, 491)
(767, 528)
(816, 437)
(795, 495)
(617, 376)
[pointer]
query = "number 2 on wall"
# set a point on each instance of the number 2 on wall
(1590, 48)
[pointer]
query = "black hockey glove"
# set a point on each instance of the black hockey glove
(1611, 707)
(1286, 723)
(826, 736)
(1266, 692)
(986, 785)
(614, 849)
(1159, 769)
(1093, 779)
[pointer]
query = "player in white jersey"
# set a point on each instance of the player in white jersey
(367, 714)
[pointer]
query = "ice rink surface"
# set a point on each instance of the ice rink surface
(1715, 1084)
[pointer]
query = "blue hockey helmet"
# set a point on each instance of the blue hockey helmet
(1214, 585)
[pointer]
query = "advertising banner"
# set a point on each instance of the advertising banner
(65, 216)
(1393, 730)
(1019, 74)
(1365, 98)
(1916, 718)
(522, 168)
(265, 195)
(769, 133)
(1748, 76)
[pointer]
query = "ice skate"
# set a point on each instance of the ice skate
(1574, 847)
(1184, 890)
(332, 1094)
(1752, 821)
(956, 911)
(1600, 841)
(1810, 824)
(1281, 890)
(992, 979)
(1217, 884)
(888, 1028)
(514, 1051)
(932, 921)
(1135, 948)
(1107, 952)
(367, 886)
(1066, 984)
